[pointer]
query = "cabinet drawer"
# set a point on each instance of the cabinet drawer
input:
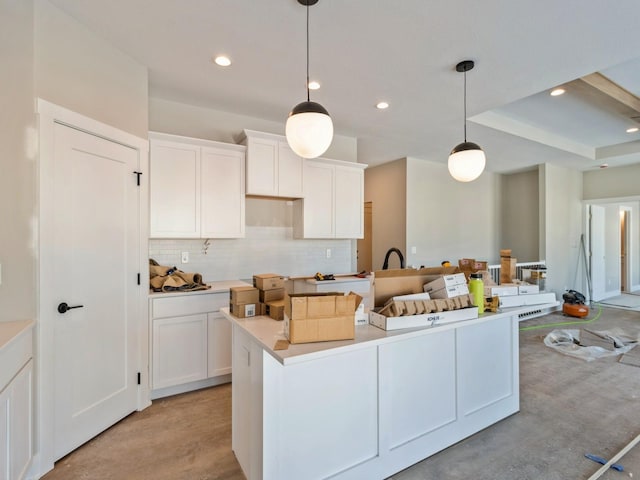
(188, 304)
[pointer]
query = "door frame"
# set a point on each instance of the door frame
(633, 247)
(50, 114)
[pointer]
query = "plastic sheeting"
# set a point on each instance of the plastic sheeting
(594, 344)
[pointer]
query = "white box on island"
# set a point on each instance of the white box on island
(424, 320)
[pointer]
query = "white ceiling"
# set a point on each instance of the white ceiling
(404, 52)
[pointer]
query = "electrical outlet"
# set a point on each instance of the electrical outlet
(414, 250)
(328, 253)
(185, 257)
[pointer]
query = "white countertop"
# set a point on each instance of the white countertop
(267, 331)
(216, 287)
(9, 331)
(339, 279)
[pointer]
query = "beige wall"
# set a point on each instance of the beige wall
(561, 212)
(386, 187)
(612, 182)
(449, 220)
(520, 215)
(190, 121)
(18, 144)
(76, 69)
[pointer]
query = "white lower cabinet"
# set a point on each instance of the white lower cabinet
(191, 342)
(16, 405)
(371, 411)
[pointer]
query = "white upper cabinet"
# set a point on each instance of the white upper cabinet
(333, 203)
(273, 169)
(196, 188)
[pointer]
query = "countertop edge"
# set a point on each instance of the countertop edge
(220, 286)
(378, 336)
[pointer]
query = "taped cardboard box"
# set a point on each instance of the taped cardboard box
(267, 296)
(243, 311)
(320, 317)
(275, 309)
(268, 281)
(243, 295)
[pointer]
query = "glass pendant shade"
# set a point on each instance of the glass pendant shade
(466, 162)
(309, 129)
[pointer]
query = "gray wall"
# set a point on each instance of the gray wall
(612, 182)
(385, 186)
(76, 69)
(561, 212)
(18, 153)
(449, 220)
(520, 213)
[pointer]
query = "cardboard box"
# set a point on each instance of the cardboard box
(268, 281)
(445, 281)
(320, 317)
(275, 309)
(362, 316)
(450, 291)
(391, 283)
(439, 318)
(528, 289)
(507, 269)
(532, 299)
(267, 296)
(243, 295)
(501, 290)
(261, 309)
(243, 311)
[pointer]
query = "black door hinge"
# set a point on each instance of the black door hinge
(139, 381)
(138, 279)
(138, 177)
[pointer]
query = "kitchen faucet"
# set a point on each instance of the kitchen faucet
(385, 265)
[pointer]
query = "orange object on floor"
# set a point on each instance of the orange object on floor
(575, 310)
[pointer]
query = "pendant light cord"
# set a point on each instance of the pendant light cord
(465, 106)
(308, 52)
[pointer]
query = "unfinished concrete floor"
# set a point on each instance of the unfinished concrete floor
(568, 407)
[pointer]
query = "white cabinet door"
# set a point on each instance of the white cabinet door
(179, 350)
(21, 422)
(349, 202)
(219, 345)
(289, 172)
(262, 166)
(174, 206)
(317, 218)
(4, 433)
(273, 169)
(16, 424)
(487, 366)
(222, 198)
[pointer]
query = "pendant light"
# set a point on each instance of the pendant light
(309, 128)
(466, 160)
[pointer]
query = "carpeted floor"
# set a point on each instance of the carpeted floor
(568, 408)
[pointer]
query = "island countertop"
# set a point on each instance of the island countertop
(267, 331)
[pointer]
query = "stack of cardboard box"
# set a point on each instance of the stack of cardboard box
(270, 294)
(243, 301)
(507, 266)
(447, 286)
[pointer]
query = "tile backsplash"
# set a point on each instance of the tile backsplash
(264, 249)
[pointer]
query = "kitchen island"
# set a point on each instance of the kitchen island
(372, 406)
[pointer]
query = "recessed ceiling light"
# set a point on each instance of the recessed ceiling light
(382, 105)
(604, 165)
(222, 60)
(313, 85)
(632, 130)
(557, 91)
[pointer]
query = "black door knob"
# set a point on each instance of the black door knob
(63, 307)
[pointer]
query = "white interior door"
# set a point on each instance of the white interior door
(597, 246)
(94, 266)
